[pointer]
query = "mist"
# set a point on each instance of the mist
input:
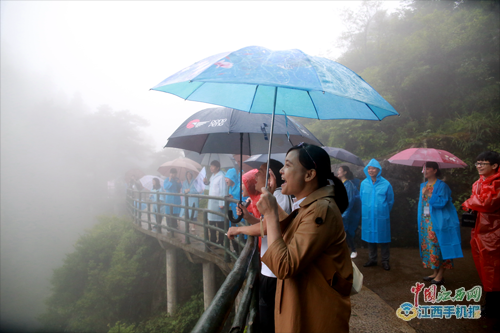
(56, 158)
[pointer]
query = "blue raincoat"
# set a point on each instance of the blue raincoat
(376, 204)
(186, 185)
(235, 189)
(154, 198)
(172, 187)
(352, 214)
(444, 219)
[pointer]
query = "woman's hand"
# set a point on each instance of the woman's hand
(267, 204)
(232, 232)
(186, 190)
(240, 209)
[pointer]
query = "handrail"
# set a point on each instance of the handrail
(212, 320)
(135, 202)
(246, 265)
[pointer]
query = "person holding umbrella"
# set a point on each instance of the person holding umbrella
(485, 236)
(352, 215)
(188, 187)
(172, 184)
(157, 190)
(307, 250)
(217, 188)
(377, 198)
(438, 225)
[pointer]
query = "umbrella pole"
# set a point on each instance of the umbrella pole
(271, 137)
(241, 164)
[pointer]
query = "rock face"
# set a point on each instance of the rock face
(405, 181)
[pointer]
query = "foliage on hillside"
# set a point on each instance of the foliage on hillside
(437, 63)
(113, 275)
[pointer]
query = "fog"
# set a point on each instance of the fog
(76, 112)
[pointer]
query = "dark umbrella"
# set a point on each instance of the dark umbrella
(229, 131)
(343, 155)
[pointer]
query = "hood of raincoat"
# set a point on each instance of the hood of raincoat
(233, 175)
(373, 163)
(249, 182)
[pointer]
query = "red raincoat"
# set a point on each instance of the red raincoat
(485, 237)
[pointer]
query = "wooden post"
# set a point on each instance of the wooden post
(171, 280)
(209, 288)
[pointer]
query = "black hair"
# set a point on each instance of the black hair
(215, 163)
(490, 156)
(348, 171)
(276, 166)
(314, 157)
(173, 170)
(435, 166)
(156, 182)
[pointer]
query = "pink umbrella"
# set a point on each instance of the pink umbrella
(182, 165)
(418, 157)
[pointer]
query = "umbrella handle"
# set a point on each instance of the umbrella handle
(231, 217)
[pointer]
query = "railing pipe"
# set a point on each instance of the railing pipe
(212, 320)
(250, 287)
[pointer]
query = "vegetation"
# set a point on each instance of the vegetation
(437, 63)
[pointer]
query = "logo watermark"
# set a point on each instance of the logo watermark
(408, 311)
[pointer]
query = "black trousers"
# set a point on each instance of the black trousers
(384, 251)
(213, 233)
(267, 296)
(350, 242)
(172, 221)
(492, 303)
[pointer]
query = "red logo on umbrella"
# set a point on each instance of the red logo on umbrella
(192, 123)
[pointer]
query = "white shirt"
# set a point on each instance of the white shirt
(285, 203)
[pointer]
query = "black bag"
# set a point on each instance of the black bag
(469, 219)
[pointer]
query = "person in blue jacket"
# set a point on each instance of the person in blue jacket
(377, 198)
(156, 196)
(438, 225)
(188, 187)
(352, 214)
(172, 184)
(234, 188)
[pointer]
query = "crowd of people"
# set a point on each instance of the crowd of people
(307, 219)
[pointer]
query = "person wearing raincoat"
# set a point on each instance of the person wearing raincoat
(485, 236)
(377, 198)
(438, 225)
(172, 184)
(188, 187)
(352, 214)
(155, 197)
(217, 188)
(234, 188)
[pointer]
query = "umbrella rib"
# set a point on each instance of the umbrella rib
(202, 83)
(373, 112)
(253, 98)
(314, 105)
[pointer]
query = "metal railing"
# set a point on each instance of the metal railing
(246, 266)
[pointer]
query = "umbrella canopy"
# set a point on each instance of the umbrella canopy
(182, 165)
(343, 155)
(255, 161)
(260, 80)
(418, 157)
(147, 181)
(225, 160)
(217, 130)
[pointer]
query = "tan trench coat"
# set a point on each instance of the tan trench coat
(313, 266)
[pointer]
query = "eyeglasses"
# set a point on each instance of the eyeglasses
(301, 145)
(481, 164)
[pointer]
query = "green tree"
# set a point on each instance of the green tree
(113, 275)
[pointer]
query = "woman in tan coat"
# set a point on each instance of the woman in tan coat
(307, 249)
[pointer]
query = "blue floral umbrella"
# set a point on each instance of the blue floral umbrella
(259, 80)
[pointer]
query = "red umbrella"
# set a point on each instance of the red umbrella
(418, 157)
(182, 165)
